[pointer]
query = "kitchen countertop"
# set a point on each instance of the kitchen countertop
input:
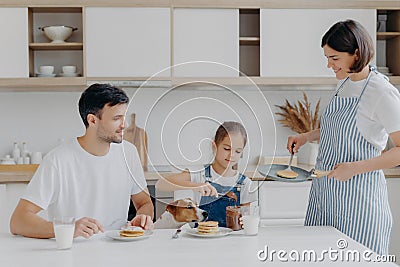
(24, 173)
(233, 250)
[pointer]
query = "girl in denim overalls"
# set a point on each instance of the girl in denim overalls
(219, 184)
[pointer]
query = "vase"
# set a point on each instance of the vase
(308, 154)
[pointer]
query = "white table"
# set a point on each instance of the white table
(161, 250)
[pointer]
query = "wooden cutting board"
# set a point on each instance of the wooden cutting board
(138, 137)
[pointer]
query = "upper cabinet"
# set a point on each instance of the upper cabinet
(14, 43)
(291, 39)
(55, 39)
(206, 42)
(127, 42)
(178, 41)
(388, 49)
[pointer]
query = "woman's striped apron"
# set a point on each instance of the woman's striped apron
(358, 207)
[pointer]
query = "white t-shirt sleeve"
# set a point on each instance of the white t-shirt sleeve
(197, 176)
(387, 111)
(44, 186)
(137, 173)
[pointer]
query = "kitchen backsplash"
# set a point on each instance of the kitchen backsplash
(180, 123)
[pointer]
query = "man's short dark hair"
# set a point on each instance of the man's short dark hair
(96, 96)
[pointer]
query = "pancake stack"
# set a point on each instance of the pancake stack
(132, 231)
(208, 228)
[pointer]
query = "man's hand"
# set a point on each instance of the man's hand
(143, 221)
(87, 227)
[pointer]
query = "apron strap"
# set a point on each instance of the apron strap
(340, 86)
(371, 70)
(241, 179)
(207, 172)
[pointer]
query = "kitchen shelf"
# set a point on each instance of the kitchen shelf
(51, 46)
(389, 21)
(43, 52)
(249, 41)
(387, 35)
(69, 84)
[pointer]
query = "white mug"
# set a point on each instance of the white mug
(27, 160)
(20, 160)
(36, 157)
(46, 69)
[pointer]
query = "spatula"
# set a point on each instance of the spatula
(318, 173)
(288, 172)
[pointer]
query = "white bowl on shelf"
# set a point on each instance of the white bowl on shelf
(58, 34)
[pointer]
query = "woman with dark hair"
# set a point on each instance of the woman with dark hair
(362, 114)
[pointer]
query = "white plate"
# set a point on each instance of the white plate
(69, 74)
(45, 75)
(222, 232)
(114, 234)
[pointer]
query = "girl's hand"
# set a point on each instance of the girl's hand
(343, 171)
(297, 141)
(207, 189)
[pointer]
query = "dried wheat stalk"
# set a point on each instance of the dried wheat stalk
(300, 118)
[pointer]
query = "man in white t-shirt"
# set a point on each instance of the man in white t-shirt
(91, 177)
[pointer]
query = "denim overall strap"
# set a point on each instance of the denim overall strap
(357, 207)
(216, 206)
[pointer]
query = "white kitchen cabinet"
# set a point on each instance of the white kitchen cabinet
(162, 200)
(291, 39)
(393, 185)
(14, 43)
(127, 42)
(210, 35)
(283, 203)
(10, 195)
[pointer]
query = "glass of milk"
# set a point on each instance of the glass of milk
(250, 219)
(64, 228)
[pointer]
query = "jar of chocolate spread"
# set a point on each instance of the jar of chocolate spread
(232, 218)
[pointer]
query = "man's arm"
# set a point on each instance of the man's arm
(25, 221)
(144, 210)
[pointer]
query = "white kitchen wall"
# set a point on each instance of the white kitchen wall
(179, 125)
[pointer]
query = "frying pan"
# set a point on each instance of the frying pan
(270, 171)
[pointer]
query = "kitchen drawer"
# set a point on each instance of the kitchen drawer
(162, 194)
(280, 200)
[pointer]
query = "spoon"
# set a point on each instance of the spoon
(176, 234)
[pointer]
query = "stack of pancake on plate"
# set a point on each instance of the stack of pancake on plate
(132, 231)
(208, 228)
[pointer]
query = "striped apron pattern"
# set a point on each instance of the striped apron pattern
(357, 207)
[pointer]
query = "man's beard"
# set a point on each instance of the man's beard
(109, 139)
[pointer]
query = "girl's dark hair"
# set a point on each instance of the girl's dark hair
(348, 36)
(230, 127)
(96, 96)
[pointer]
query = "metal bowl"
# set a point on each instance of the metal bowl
(58, 34)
